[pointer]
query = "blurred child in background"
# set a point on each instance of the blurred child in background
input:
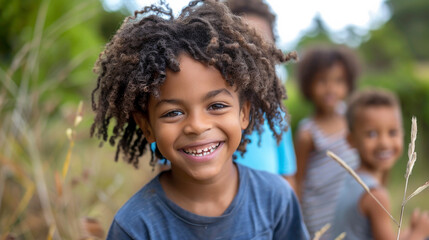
(326, 77)
(375, 130)
(263, 152)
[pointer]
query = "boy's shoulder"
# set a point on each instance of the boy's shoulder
(144, 201)
(262, 183)
(273, 194)
(271, 180)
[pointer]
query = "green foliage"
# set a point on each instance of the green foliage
(317, 35)
(386, 49)
(411, 18)
(48, 49)
(296, 104)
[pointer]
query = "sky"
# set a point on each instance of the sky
(295, 18)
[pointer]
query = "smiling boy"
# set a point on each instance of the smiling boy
(197, 89)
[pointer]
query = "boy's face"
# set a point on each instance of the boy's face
(197, 121)
(329, 87)
(377, 135)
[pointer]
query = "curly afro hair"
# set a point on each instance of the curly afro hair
(133, 66)
(371, 97)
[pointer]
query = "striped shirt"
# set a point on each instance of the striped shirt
(323, 176)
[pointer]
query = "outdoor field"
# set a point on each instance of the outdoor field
(56, 182)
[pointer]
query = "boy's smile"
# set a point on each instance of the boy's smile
(197, 121)
(201, 151)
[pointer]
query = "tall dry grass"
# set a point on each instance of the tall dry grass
(55, 185)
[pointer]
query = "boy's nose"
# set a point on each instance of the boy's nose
(196, 123)
(383, 140)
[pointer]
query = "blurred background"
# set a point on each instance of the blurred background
(57, 183)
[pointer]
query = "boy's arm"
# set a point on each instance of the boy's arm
(380, 222)
(303, 147)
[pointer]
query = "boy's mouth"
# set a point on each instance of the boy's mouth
(202, 151)
(383, 155)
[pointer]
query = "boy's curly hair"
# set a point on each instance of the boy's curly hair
(257, 7)
(320, 58)
(372, 97)
(133, 66)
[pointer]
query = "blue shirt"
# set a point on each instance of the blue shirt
(265, 207)
(348, 216)
(268, 156)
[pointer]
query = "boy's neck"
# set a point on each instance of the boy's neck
(377, 174)
(209, 198)
(326, 114)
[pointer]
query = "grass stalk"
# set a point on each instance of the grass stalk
(341, 236)
(66, 164)
(28, 185)
(412, 157)
(359, 180)
(402, 209)
(322, 231)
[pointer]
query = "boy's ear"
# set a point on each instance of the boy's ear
(144, 125)
(245, 115)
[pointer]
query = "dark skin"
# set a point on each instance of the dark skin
(190, 116)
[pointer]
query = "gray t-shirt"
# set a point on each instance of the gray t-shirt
(265, 207)
(348, 217)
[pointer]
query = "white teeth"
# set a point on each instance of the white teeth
(201, 152)
(384, 154)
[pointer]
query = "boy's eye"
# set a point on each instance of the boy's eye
(173, 113)
(217, 106)
(371, 134)
(393, 132)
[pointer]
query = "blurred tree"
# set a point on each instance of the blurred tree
(411, 18)
(386, 49)
(49, 47)
(318, 34)
(12, 26)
